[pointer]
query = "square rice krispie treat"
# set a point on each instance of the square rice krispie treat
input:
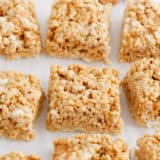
(21, 99)
(91, 147)
(84, 98)
(148, 147)
(19, 30)
(142, 87)
(18, 156)
(79, 29)
(141, 31)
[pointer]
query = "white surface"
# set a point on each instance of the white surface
(43, 143)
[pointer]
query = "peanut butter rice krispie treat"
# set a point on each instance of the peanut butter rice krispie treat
(91, 147)
(19, 30)
(142, 87)
(141, 31)
(84, 99)
(79, 29)
(148, 147)
(21, 99)
(18, 156)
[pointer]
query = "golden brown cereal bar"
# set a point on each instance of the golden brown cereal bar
(141, 31)
(142, 87)
(21, 99)
(84, 98)
(19, 30)
(79, 29)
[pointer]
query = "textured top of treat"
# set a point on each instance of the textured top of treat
(20, 94)
(145, 74)
(81, 80)
(87, 147)
(82, 18)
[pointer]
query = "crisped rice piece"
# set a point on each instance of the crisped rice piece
(148, 147)
(19, 30)
(140, 31)
(142, 87)
(79, 29)
(21, 99)
(91, 147)
(18, 156)
(109, 1)
(84, 98)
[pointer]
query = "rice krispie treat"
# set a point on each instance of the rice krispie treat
(141, 31)
(84, 98)
(91, 147)
(18, 156)
(142, 87)
(148, 147)
(19, 30)
(21, 99)
(79, 29)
